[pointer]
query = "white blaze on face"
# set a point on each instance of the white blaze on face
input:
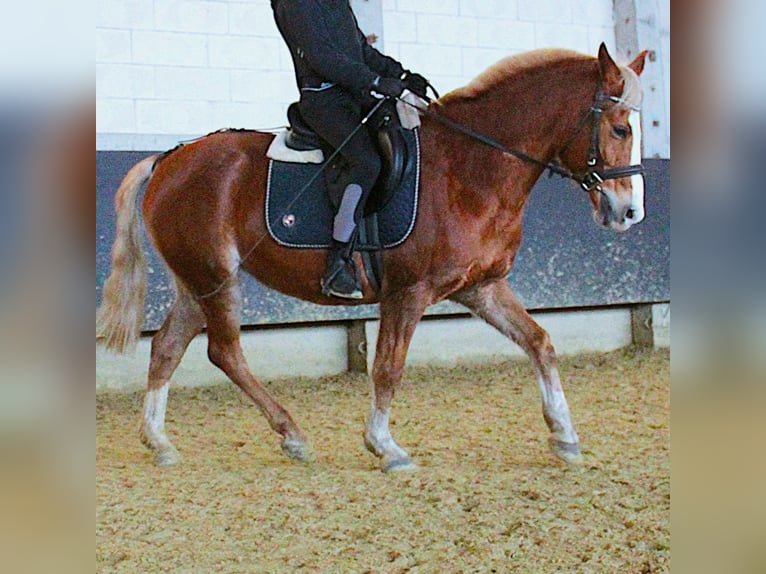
(637, 181)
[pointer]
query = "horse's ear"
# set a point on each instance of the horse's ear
(637, 65)
(610, 72)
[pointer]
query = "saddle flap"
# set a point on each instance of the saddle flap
(394, 155)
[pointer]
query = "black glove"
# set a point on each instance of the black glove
(415, 83)
(390, 87)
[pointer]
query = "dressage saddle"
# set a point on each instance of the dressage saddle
(386, 129)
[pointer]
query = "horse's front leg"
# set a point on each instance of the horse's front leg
(497, 305)
(399, 315)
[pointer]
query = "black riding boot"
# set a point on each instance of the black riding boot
(340, 277)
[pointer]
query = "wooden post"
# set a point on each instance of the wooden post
(641, 327)
(356, 344)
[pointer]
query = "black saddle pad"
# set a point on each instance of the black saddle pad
(299, 212)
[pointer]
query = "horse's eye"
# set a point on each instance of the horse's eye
(620, 131)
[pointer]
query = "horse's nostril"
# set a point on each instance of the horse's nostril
(629, 214)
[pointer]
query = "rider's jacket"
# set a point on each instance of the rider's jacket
(328, 48)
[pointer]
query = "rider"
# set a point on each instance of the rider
(337, 71)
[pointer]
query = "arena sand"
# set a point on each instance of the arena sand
(487, 496)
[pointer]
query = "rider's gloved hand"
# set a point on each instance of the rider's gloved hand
(415, 83)
(388, 87)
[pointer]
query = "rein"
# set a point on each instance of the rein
(589, 181)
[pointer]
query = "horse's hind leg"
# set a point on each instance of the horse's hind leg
(497, 305)
(224, 350)
(398, 318)
(184, 321)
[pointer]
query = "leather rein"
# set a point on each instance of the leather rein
(589, 181)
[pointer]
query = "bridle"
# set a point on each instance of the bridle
(590, 180)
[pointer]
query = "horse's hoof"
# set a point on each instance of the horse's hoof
(297, 449)
(569, 452)
(167, 457)
(397, 464)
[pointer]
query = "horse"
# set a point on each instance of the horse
(203, 208)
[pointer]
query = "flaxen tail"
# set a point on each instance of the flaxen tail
(120, 316)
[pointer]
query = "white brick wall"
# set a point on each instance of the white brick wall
(454, 40)
(653, 18)
(171, 69)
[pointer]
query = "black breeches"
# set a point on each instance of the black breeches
(333, 114)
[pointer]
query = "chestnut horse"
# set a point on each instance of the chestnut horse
(204, 210)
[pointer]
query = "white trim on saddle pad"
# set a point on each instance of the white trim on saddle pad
(279, 151)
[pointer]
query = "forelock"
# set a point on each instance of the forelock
(632, 93)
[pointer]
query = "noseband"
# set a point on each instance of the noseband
(589, 181)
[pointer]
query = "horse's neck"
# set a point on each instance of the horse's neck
(535, 115)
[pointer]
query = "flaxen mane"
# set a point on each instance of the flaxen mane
(512, 65)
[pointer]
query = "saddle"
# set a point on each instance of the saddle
(390, 210)
(392, 147)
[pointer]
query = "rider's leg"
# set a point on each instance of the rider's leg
(334, 114)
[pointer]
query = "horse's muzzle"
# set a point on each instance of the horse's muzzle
(619, 218)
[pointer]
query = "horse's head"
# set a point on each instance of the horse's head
(613, 142)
